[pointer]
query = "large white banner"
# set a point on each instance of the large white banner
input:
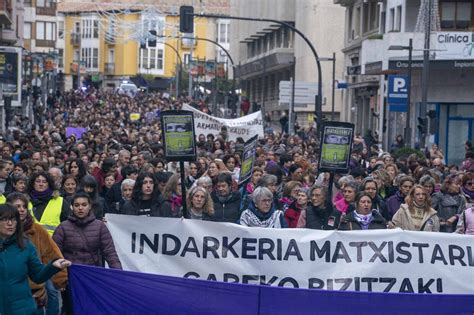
(245, 127)
(375, 260)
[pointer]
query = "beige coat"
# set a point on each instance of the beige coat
(402, 219)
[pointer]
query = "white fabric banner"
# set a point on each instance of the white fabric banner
(245, 127)
(374, 260)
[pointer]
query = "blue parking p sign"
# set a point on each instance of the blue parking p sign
(398, 89)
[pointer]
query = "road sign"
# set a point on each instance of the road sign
(305, 92)
(398, 89)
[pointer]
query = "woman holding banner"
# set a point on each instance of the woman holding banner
(261, 211)
(416, 213)
(200, 204)
(363, 217)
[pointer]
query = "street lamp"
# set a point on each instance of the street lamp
(333, 59)
(410, 52)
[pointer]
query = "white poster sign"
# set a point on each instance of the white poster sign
(374, 260)
(454, 45)
(245, 127)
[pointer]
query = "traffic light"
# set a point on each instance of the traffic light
(422, 125)
(186, 19)
(152, 40)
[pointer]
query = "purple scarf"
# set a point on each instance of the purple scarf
(468, 193)
(40, 197)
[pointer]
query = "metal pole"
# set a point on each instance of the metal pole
(79, 63)
(292, 104)
(183, 188)
(264, 90)
(190, 78)
(426, 65)
(408, 124)
(333, 85)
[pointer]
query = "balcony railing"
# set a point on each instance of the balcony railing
(5, 12)
(75, 39)
(109, 68)
(45, 43)
(51, 10)
(110, 38)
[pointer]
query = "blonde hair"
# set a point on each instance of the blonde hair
(410, 199)
(208, 207)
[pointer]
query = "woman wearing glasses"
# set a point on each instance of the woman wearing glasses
(261, 211)
(20, 261)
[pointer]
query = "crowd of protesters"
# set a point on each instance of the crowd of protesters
(63, 185)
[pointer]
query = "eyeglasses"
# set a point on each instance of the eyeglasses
(407, 186)
(6, 220)
(266, 201)
(470, 184)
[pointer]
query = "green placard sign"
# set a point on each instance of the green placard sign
(178, 135)
(248, 159)
(336, 145)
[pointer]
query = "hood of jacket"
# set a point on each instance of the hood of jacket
(82, 222)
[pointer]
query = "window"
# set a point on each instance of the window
(392, 20)
(90, 57)
(60, 58)
(383, 20)
(41, 3)
(456, 14)
(61, 30)
(356, 26)
(159, 59)
(223, 32)
(186, 59)
(111, 56)
(40, 30)
(152, 59)
(77, 27)
(398, 23)
(96, 29)
(27, 30)
(95, 58)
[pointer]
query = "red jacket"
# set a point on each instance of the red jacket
(292, 214)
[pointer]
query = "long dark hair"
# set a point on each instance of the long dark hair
(7, 211)
(137, 194)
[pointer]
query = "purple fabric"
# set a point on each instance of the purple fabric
(75, 131)
(394, 203)
(108, 291)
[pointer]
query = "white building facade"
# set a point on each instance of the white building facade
(269, 53)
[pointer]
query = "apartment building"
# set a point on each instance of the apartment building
(269, 53)
(113, 42)
(372, 29)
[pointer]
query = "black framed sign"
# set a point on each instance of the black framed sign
(248, 159)
(336, 146)
(178, 136)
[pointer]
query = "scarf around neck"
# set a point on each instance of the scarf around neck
(39, 197)
(468, 193)
(364, 220)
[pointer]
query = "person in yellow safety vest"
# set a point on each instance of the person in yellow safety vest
(3, 199)
(46, 206)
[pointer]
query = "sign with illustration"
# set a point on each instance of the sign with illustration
(178, 135)
(336, 145)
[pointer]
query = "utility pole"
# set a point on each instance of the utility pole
(333, 96)
(408, 120)
(79, 85)
(426, 67)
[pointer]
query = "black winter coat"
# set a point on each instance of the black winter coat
(228, 211)
(349, 222)
(318, 218)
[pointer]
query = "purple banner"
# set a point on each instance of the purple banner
(107, 291)
(75, 131)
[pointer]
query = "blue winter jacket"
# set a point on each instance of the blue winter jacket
(16, 265)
